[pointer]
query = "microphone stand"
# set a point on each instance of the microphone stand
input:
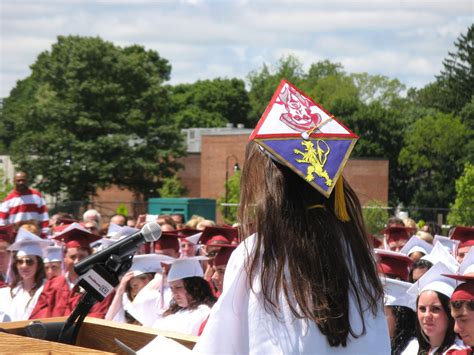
(109, 272)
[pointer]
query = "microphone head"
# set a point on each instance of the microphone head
(151, 232)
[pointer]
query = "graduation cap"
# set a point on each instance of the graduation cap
(218, 235)
(27, 243)
(146, 263)
(223, 255)
(463, 234)
(434, 280)
(76, 236)
(168, 240)
(7, 233)
(466, 269)
(185, 267)
(113, 230)
(416, 244)
(395, 293)
(440, 254)
(451, 245)
(393, 263)
(302, 135)
(53, 254)
(395, 233)
(194, 239)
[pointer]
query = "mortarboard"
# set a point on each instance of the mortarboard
(395, 293)
(7, 233)
(451, 245)
(466, 243)
(194, 239)
(416, 244)
(76, 236)
(434, 280)
(53, 254)
(466, 269)
(464, 291)
(463, 233)
(440, 254)
(395, 233)
(168, 240)
(185, 267)
(300, 134)
(146, 263)
(218, 235)
(393, 263)
(223, 255)
(27, 243)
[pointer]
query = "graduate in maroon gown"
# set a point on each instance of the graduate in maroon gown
(61, 295)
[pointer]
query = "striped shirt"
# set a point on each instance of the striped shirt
(25, 206)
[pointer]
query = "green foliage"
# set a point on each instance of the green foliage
(454, 87)
(233, 191)
(122, 209)
(375, 216)
(5, 186)
(93, 114)
(433, 155)
(462, 210)
(172, 187)
(210, 103)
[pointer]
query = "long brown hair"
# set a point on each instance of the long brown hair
(309, 255)
(40, 274)
(199, 291)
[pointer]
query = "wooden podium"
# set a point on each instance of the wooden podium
(96, 336)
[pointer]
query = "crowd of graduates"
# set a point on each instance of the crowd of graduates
(429, 287)
(171, 285)
(174, 282)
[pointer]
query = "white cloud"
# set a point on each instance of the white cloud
(205, 39)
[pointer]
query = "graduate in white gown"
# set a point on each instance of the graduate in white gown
(28, 276)
(306, 281)
(192, 298)
(140, 274)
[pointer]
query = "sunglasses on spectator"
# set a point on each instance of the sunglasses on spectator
(28, 262)
(459, 304)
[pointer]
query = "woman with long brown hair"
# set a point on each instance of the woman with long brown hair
(304, 280)
(27, 276)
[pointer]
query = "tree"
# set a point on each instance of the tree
(233, 190)
(462, 210)
(454, 86)
(172, 187)
(433, 154)
(457, 77)
(210, 103)
(92, 114)
(375, 216)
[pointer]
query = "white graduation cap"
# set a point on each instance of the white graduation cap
(53, 254)
(27, 243)
(118, 232)
(433, 280)
(416, 244)
(185, 267)
(193, 239)
(103, 243)
(395, 293)
(146, 263)
(451, 245)
(467, 265)
(440, 254)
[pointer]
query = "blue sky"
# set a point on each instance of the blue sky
(404, 39)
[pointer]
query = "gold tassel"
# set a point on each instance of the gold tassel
(340, 201)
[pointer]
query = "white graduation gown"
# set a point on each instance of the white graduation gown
(250, 329)
(20, 306)
(239, 324)
(185, 321)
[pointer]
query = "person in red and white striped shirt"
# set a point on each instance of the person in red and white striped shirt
(24, 204)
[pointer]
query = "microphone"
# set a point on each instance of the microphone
(99, 272)
(150, 232)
